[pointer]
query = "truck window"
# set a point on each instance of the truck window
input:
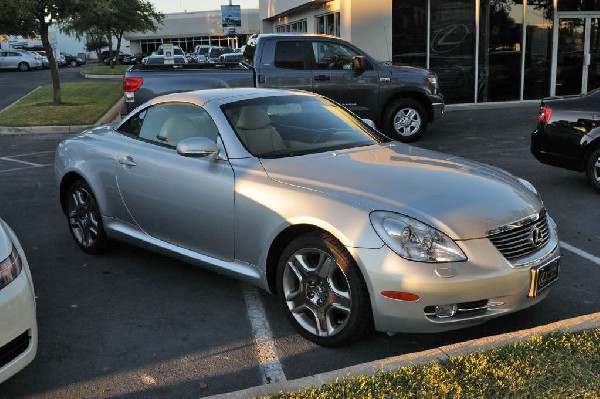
(332, 55)
(289, 55)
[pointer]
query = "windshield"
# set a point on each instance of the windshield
(285, 126)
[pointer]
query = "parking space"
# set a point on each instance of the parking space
(133, 324)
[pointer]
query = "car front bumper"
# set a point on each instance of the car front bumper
(484, 287)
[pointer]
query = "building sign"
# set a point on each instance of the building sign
(168, 53)
(231, 18)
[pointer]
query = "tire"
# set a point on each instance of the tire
(23, 67)
(322, 291)
(405, 120)
(84, 218)
(592, 169)
(74, 63)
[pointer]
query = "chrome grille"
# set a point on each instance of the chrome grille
(522, 240)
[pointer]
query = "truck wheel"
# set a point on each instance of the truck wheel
(405, 120)
(23, 67)
(593, 169)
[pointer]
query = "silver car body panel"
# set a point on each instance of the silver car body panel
(239, 204)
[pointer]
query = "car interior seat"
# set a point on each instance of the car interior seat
(177, 128)
(255, 131)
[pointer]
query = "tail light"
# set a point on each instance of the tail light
(545, 114)
(130, 85)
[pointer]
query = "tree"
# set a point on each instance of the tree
(112, 18)
(95, 41)
(31, 17)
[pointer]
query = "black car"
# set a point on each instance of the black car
(65, 59)
(568, 134)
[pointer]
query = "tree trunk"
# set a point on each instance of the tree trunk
(56, 95)
(110, 50)
(119, 38)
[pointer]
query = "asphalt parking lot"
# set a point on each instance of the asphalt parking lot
(131, 323)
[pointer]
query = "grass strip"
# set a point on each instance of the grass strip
(83, 104)
(558, 365)
(105, 70)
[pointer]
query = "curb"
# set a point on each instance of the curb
(419, 358)
(108, 117)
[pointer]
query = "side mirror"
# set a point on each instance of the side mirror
(199, 147)
(359, 63)
(369, 123)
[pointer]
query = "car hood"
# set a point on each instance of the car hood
(462, 198)
(5, 242)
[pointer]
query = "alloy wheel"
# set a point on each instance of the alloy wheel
(317, 292)
(407, 122)
(83, 217)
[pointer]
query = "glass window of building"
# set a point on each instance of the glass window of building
(539, 21)
(409, 32)
(328, 24)
(579, 5)
(452, 48)
(500, 55)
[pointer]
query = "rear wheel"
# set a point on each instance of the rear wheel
(73, 63)
(83, 217)
(405, 120)
(593, 169)
(322, 291)
(23, 67)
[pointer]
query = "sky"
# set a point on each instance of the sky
(167, 6)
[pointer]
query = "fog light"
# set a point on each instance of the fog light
(443, 311)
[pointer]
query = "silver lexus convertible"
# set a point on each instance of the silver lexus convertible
(292, 193)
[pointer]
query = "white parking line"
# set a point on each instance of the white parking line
(27, 167)
(271, 369)
(29, 153)
(580, 252)
(37, 165)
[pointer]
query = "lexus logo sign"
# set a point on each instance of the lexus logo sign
(535, 237)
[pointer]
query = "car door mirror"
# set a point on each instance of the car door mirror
(198, 147)
(369, 123)
(359, 63)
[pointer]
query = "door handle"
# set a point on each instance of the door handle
(262, 79)
(322, 77)
(127, 161)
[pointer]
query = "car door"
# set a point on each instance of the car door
(334, 77)
(2, 59)
(284, 65)
(185, 201)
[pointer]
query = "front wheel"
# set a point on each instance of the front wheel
(74, 63)
(593, 169)
(83, 216)
(322, 291)
(405, 120)
(23, 67)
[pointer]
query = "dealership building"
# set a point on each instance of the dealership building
(482, 50)
(188, 29)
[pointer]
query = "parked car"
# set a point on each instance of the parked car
(133, 59)
(201, 53)
(216, 51)
(43, 58)
(65, 59)
(231, 57)
(160, 60)
(293, 193)
(19, 59)
(176, 51)
(122, 57)
(18, 325)
(568, 134)
(402, 101)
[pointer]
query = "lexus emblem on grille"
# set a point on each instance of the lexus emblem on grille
(535, 237)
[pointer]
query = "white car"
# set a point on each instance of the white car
(18, 326)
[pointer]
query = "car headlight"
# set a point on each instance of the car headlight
(10, 268)
(415, 240)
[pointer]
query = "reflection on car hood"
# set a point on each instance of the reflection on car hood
(462, 198)
(5, 242)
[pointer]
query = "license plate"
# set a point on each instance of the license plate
(543, 277)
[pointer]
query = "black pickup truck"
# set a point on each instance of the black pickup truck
(400, 100)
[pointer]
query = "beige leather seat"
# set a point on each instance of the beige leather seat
(255, 131)
(177, 128)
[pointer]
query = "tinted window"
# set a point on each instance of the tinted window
(133, 125)
(289, 55)
(332, 55)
